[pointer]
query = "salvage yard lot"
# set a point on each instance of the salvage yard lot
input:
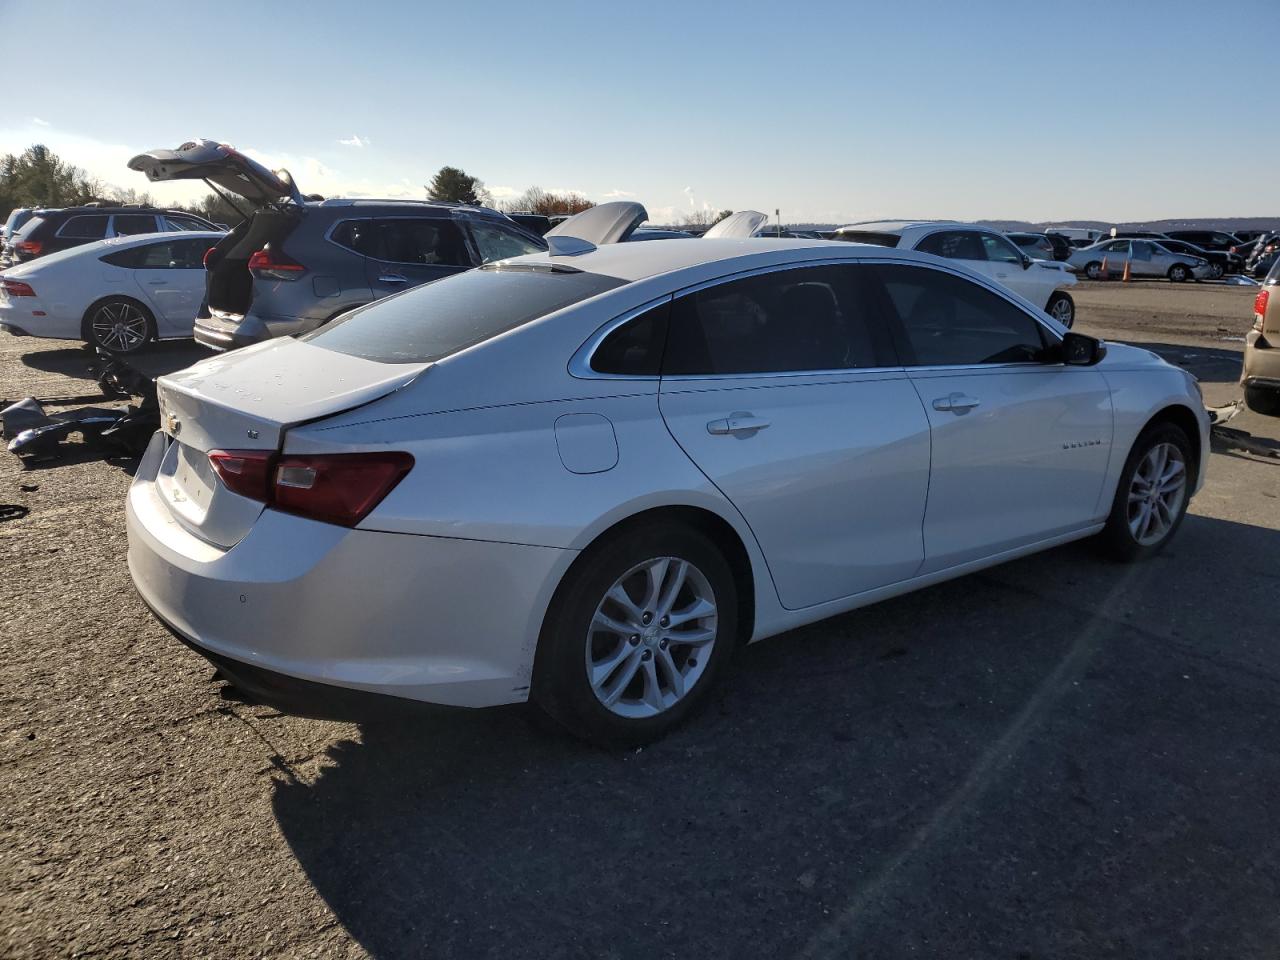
(1057, 757)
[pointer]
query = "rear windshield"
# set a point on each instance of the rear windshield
(441, 318)
(867, 236)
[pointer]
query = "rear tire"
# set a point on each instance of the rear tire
(637, 635)
(1062, 308)
(1152, 496)
(118, 325)
(1093, 270)
(1178, 273)
(1263, 400)
(1217, 271)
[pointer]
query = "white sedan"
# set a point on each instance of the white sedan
(983, 251)
(119, 294)
(586, 476)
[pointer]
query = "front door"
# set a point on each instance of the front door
(1020, 441)
(782, 388)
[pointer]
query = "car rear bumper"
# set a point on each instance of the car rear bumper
(431, 619)
(231, 333)
(1261, 365)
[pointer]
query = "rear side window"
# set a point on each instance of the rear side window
(85, 227)
(131, 224)
(635, 348)
(174, 222)
(437, 319)
(355, 235)
(954, 245)
(434, 242)
(948, 320)
(809, 318)
(868, 236)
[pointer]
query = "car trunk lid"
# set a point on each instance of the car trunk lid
(740, 225)
(604, 223)
(246, 401)
(222, 165)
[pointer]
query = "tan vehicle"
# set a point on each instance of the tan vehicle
(1261, 372)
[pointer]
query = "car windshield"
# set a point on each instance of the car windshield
(441, 318)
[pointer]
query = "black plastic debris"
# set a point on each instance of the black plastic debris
(12, 511)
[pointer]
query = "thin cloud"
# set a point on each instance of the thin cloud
(618, 194)
(40, 123)
(355, 140)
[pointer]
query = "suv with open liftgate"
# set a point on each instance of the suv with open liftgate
(49, 231)
(296, 263)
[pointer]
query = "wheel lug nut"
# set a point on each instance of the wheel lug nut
(665, 621)
(663, 644)
(647, 655)
(634, 639)
(646, 618)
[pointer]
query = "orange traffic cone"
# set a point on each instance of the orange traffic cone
(1102, 274)
(1125, 278)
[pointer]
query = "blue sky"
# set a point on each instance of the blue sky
(831, 111)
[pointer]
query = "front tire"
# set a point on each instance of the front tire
(1178, 273)
(1263, 400)
(1217, 271)
(119, 325)
(1152, 496)
(1093, 270)
(637, 635)
(1062, 308)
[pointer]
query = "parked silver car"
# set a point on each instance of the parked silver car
(1146, 258)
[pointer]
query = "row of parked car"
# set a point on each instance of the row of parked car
(1251, 254)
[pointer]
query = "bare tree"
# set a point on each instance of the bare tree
(537, 200)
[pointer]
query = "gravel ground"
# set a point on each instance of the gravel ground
(1059, 757)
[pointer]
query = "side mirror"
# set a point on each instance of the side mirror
(1079, 350)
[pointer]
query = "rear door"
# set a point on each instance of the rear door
(132, 224)
(782, 387)
(170, 274)
(403, 252)
(1020, 442)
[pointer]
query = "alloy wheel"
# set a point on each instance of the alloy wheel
(120, 327)
(1156, 494)
(1062, 311)
(651, 637)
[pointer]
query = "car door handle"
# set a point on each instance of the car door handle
(956, 403)
(157, 283)
(737, 424)
(392, 278)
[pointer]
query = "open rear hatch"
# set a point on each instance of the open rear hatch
(609, 222)
(274, 205)
(244, 402)
(744, 223)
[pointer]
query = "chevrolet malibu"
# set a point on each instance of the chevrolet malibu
(584, 477)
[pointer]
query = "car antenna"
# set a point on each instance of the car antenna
(227, 199)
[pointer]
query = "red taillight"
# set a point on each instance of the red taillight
(207, 254)
(335, 488)
(1260, 302)
(246, 472)
(32, 247)
(266, 263)
(16, 288)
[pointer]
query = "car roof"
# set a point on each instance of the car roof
(639, 261)
(441, 205)
(899, 226)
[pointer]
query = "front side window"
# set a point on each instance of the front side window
(177, 222)
(437, 319)
(1116, 246)
(497, 243)
(132, 224)
(427, 242)
(954, 245)
(1141, 250)
(807, 318)
(1000, 250)
(948, 320)
(85, 227)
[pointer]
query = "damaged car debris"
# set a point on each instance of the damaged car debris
(38, 436)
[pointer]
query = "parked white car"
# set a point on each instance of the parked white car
(119, 294)
(982, 250)
(585, 477)
(1146, 258)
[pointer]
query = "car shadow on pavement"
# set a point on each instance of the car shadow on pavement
(1058, 756)
(1210, 364)
(81, 362)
